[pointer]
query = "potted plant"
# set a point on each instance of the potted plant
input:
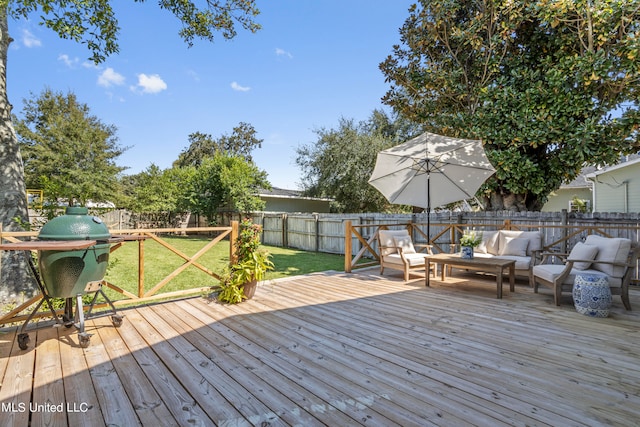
(469, 240)
(239, 281)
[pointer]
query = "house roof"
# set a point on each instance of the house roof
(631, 160)
(282, 193)
(584, 180)
(581, 180)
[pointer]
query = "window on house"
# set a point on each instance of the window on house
(579, 205)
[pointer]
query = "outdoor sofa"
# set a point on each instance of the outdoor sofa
(521, 246)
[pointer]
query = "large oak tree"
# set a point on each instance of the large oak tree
(92, 23)
(549, 86)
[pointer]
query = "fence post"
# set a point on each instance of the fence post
(347, 246)
(317, 219)
(285, 230)
(140, 268)
(565, 231)
(232, 242)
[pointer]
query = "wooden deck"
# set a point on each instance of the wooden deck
(335, 349)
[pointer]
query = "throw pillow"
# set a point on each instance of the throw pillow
(515, 246)
(610, 249)
(534, 237)
(488, 243)
(405, 243)
(583, 252)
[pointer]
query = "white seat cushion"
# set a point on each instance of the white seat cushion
(522, 262)
(549, 272)
(414, 260)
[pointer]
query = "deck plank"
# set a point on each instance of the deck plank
(355, 336)
(148, 405)
(15, 394)
(213, 383)
(374, 353)
(7, 340)
(338, 349)
(49, 407)
(257, 369)
(460, 357)
(318, 350)
(162, 362)
(115, 405)
(333, 395)
(78, 385)
(235, 366)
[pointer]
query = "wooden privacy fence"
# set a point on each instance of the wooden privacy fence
(325, 232)
(139, 236)
(361, 238)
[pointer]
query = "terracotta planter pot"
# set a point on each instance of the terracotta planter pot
(249, 289)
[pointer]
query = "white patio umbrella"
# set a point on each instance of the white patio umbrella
(431, 170)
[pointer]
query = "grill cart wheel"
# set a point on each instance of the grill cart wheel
(23, 341)
(85, 339)
(68, 322)
(117, 320)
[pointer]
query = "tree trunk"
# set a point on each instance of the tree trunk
(511, 202)
(15, 278)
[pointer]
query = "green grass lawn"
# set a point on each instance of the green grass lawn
(160, 262)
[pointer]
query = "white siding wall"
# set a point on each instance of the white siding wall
(618, 190)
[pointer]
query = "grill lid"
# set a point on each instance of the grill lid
(75, 224)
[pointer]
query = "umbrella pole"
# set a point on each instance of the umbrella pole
(428, 226)
(428, 208)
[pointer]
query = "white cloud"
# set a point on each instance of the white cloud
(282, 52)
(69, 62)
(29, 40)
(236, 86)
(151, 84)
(110, 77)
(90, 65)
(193, 75)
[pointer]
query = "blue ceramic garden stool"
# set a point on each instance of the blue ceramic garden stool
(592, 295)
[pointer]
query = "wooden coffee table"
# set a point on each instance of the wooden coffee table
(491, 265)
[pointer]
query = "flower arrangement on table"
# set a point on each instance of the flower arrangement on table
(471, 238)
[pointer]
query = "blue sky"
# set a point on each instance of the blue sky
(313, 62)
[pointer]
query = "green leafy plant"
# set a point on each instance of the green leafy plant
(229, 290)
(253, 267)
(471, 238)
(252, 263)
